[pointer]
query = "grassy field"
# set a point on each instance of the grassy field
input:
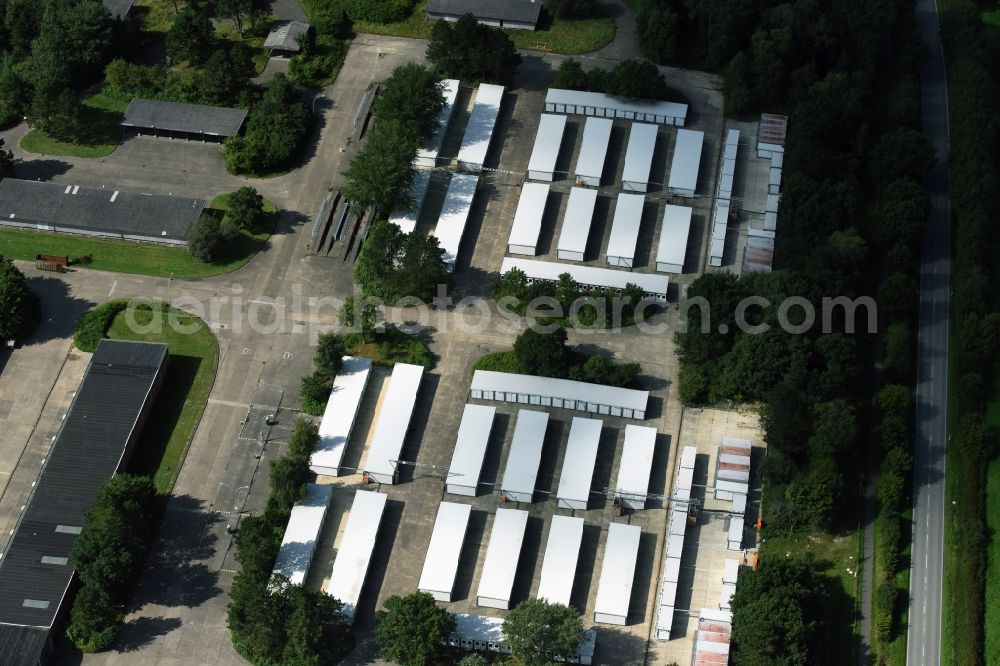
(194, 358)
(140, 258)
(100, 133)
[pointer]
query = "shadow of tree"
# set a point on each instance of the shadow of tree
(140, 632)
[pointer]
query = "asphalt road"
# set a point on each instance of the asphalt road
(926, 576)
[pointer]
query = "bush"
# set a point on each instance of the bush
(305, 436)
(209, 239)
(501, 361)
(378, 11)
(18, 304)
(124, 81)
(886, 595)
(314, 392)
(95, 324)
(245, 207)
(889, 538)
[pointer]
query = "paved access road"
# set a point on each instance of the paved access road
(926, 576)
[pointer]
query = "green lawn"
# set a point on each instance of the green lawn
(100, 134)
(194, 358)
(157, 15)
(141, 258)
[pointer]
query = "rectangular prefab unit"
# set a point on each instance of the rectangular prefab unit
(455, 214)
(737, 445)
(614, 591)
(625, 230)
(668, 591)
(441, 562)
(672, 246)
(677, 524)
(593, 151)
(338, 418)
(470, 450)
(525, 455)
(635, 466)
(560, 393)
(427, 154)
(576, 224)
(675, 545)
(664, 622)
(688, 455)
(774, 181)
(479, 128)
(528, 219)
(393, 422)
(726, 596)
(578, 463)
(736, 533)
(496, 582)
(654, 286)
(405, 217)
(298, 546)
(548, 140)
(683, 179)
(562, 549)
(354, 553)
(672, 569)
(730, 571)
(685, 479)
(739, 504)
(610, 106)
(639, 157)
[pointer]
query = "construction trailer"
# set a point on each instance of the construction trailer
(455, 214)
(545, 153)
(470, 450)
(683, 179)
(639, 157)
(479, 129)
(305, 522)
(427, 154)
(625, 230)
(653, 286)
(635, 466)
(614, 591)
(593, 151)
(576, 224)
(562, 550)
(578, 463)
(393, 422)
(527, 225)
(598, 104)
(496, 582)
(672, 246)
(441, 562)
(354, 553)
(525, 455)
(340, 414)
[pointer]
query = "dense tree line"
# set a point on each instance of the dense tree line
(275, 130)
(273, 622)
(411, 631)
(18, 304)
(629, 78)
(393, 265)
(469, 51)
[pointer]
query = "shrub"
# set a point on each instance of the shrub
(378, 11)
(95, 324)
(314, 392)
(125, 81)
(886, 596)
(889, 538)
(305, 436)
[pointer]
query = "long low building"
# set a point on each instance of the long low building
(509, 14)
(562, 550)
(635, 466)
(545, 152)
(427, 154)
(182, 120)
(525, 456)
(527, 225)
(614, 590)
(560, 393)
(470, 450)
(485, 634)
(341, 411)
(625, 230)
(578, 463)
(97, 211)
(354, 554)
(593, 151)
(455, 215)
(684, 167)
(496, 581)
(609, 106)
(479, 129)
(579, 216)
(441, 562)
(672, 246)
(639, 157)
(405, 217)
(393, 422)
(590, 277)
(298, 546)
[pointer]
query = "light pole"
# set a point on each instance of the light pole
(319, 95)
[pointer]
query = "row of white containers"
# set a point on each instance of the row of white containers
(676, 526)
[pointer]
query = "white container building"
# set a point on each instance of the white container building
(338, 418)
(548, 140)
(593, 151)
(576, 224)
(525, 455)
(672, 569)
(393, 422)
(736, 533)
(672, 246)
(562, 550)
(683, 178)
(635, 466)
(479, 129)
(675, 545)
(562, 393)
(444, 550)
(578, 463)
(355, 551)
(614, 591)
(639, 157)
(470, 450)
(653, 286)
(625, 230)
(427, 155)
(496, 582)
(730, 571)
(483, 633)
(610, 106)
(688, 455)
(304, 525)
(528, 219)
(406, 217)
(455, 214)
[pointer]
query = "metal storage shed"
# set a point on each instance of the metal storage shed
(727, 490)
(685, 479)
(479, 129)
(285, 37)
(610, 106)
(617, 573)
(525, 455)
(683, 178)
(298, 546)
(625, 230)
(774, 181)
(393, 422)
(688, 455)
(441, 562)
(639, 157)
(561, 393)
(675, 545)
(739, 504)
(576, 224)
(454, 215)
(562, 549)
(672, 246)
(578, 463)
(496, 580)
(427, 154)
(470, 449)
(737, 443)
(548, 139)
(672, 569)
(736, 533)
(338, 418)
(590, 277)
(664, 622)
(593, 151)
(730, 571)
(635, 466)
(677, 524)
(355, 551)
(405, 217)
(528, 219)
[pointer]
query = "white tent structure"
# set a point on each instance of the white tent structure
(593, 151)
(427, 155)
(610, 106)
(470, 450)
(639, 157)
(525, 455)
(338, 418)
(354, 553)
(455, 214)
(683, 179)
(590, 277)
(393, 422)
(576, 224)
(528, 219)
(614, 591)
(548, 140)
(441, 563)
(479, 129)
(496, 582)
(405, 217)
(562, 549)
(561, 393)
(625, 230)
(578, 463)
(635, 466)
(672, 246)
(304, 524)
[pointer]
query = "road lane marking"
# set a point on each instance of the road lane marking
(115, 284)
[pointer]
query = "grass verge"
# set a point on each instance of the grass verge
(194, 358)
(100, 132)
